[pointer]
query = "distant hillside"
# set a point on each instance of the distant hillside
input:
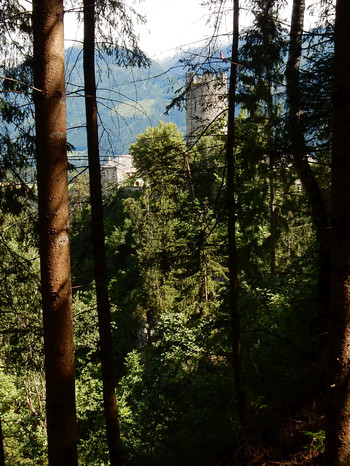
(129, 100)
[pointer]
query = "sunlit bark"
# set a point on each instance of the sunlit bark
(2, 452)
(51, 150)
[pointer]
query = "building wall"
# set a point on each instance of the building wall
(206, 99)
(118, 171)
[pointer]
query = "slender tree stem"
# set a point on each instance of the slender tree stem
(231, 203)
(299, 153)
(2, 451)
(100, 266)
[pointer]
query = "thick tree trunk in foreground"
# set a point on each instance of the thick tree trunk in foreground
(338, 422)
(100, 267)
(299, 152)
(230, 163)
(51, 147)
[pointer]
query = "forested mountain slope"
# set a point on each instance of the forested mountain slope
(129, 100)
(176, 330)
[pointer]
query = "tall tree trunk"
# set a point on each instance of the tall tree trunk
(2, 451)
(100, 266)
(231, 204)
(272, 161)
(51, 149)
(300, 152)
(272, 218)
(338, 422)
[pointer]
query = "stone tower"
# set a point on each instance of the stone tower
(206, 99)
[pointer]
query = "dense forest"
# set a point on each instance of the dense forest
(203, 317)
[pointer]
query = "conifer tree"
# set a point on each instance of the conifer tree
(100, 266)
(102, 19)
(51, 150)
(231, 204)
(338, 421)
(299, 152)
(261, 55)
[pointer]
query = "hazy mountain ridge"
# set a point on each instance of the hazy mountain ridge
(129, 100)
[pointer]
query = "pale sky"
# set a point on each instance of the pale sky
(172, 25)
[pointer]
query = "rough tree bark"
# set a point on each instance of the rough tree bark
(100, 266)
(299, 153)
(338, 422)
(51, 150)
(231, 204)
(272, 218)
(2, 451)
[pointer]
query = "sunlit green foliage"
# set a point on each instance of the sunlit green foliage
(22, 379)
(167, 265)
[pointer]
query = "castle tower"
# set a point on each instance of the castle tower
(206, 99)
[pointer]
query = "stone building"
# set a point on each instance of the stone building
(119, 170)
(206, 99)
